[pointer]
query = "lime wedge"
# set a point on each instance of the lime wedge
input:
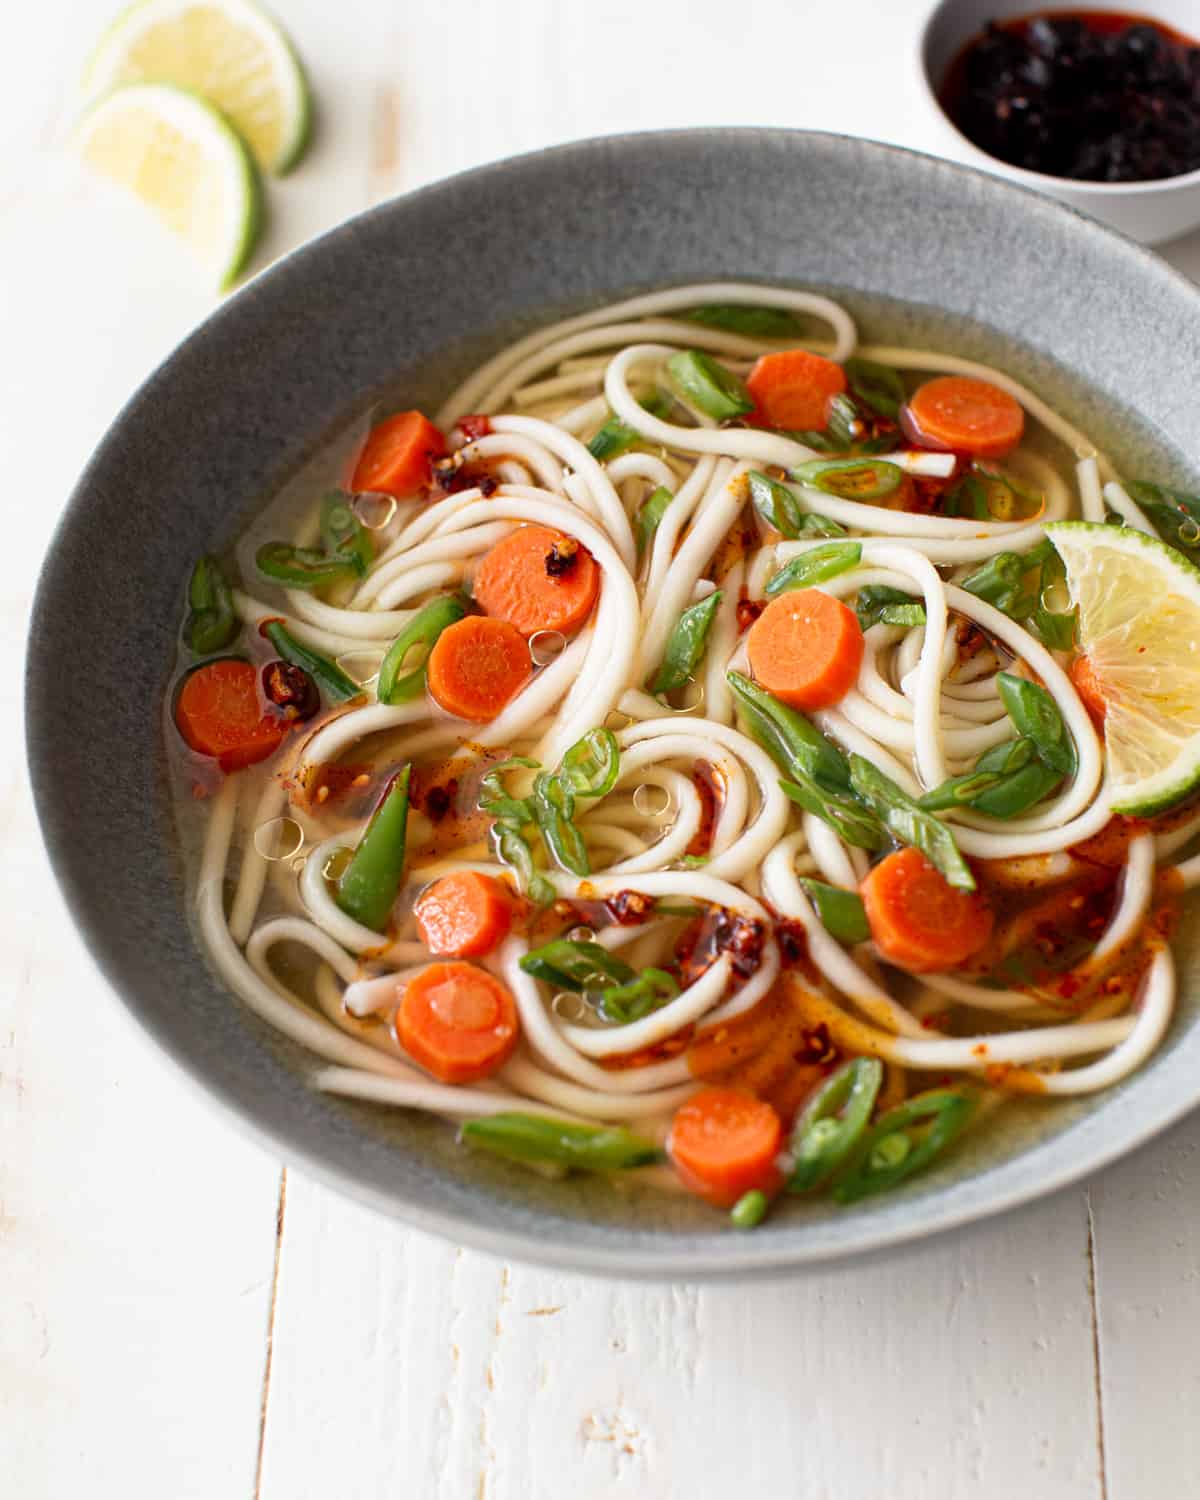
(229, 51)
(185, 162)
(1139, 626)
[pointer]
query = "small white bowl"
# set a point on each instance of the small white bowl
(1150, 211)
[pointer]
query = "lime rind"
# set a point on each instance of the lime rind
(110, 65)
(1139, 616)
(196, 119)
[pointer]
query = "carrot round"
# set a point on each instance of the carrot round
(538, 579)
(464, 915)
(218, 713)
(919, 920)
(1087, 684)
(969, 416)
(397, 457)
(806, 648)
(476, 666)
(458, 1022)
(793, 389)
(724, 1142)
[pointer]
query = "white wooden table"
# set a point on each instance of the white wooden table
(181, 1318)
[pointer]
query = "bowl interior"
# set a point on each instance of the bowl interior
(406, 298)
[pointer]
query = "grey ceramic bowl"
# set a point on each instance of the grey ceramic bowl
(415, 289)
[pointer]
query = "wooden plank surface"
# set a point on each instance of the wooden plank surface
(161, 1333)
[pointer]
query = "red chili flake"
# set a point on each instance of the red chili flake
(817, 1046)
(562, 557)
(793, 943)
(748, 610)
(630, 908)
(475, 426)
(721, 931)
(488, 486)
(439, 800)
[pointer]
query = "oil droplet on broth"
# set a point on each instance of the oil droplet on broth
(1189, 532)
(336, 863)
(569, 1007)
(361, 666)
(374, 510)
(651, 800)
(546, 646)
(1056, 598)
(279, 838)
(694, 702)
(581, 935)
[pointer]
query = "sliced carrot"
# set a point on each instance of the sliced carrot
(476, 666)
(397, 458)
(457, 1021)
(1087, 685)
(794, 388)
(919, 920)
(806, 648)
(724, 1142)
(464, 915)
(538, 579)
(966, 415)
(218, 712)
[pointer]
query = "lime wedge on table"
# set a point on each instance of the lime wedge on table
(185, 162)
(229, 51)
(1139, 625)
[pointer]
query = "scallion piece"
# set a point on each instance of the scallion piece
(877, 386)
(370, 883)
(577, 966)
(751, 322)
(534, 1138)
(909, 823)
(649, 517)
(814, 566)
(851, 478)
(1036, 715)
(904, 1141)
(686, 645)
(212, 621)
(328, 676)
(750, 1209)
(592, 764)
(842, 913)
(709, 386)
(422, 630)
(833, 1122)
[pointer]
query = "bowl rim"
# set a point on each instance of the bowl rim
(753, 1255)
(1038, 181)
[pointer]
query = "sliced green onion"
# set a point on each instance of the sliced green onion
(212, 622)
(577, 966)
(422, 630)
(908, 823)
(849, 819)
(844, 422)
(750, 1209)
(833, 1121)
(327, 675)
(649, 517)
(851, 478)
(648, 992)
(905, 1141)
(592, 764)
(842, 913)
(1174, 513)
(877, 386)
(1017, 793)
(686, 645)
(590, 1148)
(874, 599)
(751, 322)
(1036, 715)
(709, 386)
(343, 534)
(797, 747)
(998, 581)
(616, 437)
(815, 566)
(303, 567)
(368, 886)
(998, 764)
(553, 805)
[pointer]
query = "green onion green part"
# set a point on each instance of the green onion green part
(212, 621)
(709, 386)
(367, 888)
(833, 1122)
(686, 645)
(815, 566)
(422, 630)
(905, 1141)
(533, 1138)
(328, 676)
(909, 823)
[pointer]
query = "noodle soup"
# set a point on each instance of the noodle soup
(706, 750)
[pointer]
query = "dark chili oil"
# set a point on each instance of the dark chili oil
(1096, 96)
(720, 931)
(710, 789)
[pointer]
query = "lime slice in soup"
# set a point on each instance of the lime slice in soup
(186, 163)
(1139, 626)
(229, 51)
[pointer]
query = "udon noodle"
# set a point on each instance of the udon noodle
(663, 818)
